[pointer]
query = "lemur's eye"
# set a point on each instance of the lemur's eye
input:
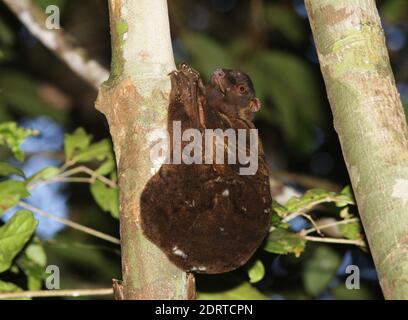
(241, 89)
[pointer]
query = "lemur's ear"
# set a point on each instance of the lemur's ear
(255, 104)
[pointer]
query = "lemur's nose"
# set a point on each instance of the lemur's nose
(219, 73)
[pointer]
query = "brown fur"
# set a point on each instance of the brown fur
(185, 209)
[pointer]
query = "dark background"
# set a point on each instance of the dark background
(269, 40)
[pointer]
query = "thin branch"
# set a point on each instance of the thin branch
(66, 177)
(58, 42)
(69, 223)
(66, 165)
(309, 207)
(57, 293)
(359, 243)
(92, 173)
(75, 180)
(291, 216)
(316, 227)
(331, 224)
(286, 219)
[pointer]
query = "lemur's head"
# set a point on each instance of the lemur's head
(232, 92)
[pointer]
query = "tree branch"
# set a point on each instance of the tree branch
(57, 293)
(371, 125)
(58, 42)
(70, 223)
(329, 225)
(135, 100)
(360, 243)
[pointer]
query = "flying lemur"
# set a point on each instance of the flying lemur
(208, 218)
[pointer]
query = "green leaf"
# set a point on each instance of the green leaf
(345, 213)
(77, 141)
(34, 272)
(345, 197)
(12, 136)
(14, 235)
(8, 287)
(280, 210)
(11, 191)
(33, 283)
(276, 220)
(312, 198)
(257, 272)
(44, 174)
(351, 230)
(7, 169)
(14, 269)
(36, 253)
(106, 167)
(243, 291)
(107, 198)
(319, 269)
(283, 241)
(97, 151)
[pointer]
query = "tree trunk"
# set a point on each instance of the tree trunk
(134, 101)
(370, 122)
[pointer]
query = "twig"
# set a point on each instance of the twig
(58, 42)
(331, 224)
(66, 177)
(57, 293)
(75, 179)
(316, 227)
(66, 165)
(69, 223)
(360, 243)
(92, 173)
(291, 216)
(286, 219)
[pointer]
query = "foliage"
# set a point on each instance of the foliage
(256, 272)
(95, 160)
(11, 136)
(320, 264)
(79, 151)
(14, 235)
(319, 269)
(283, 241)
(11, 191)
(272, 44)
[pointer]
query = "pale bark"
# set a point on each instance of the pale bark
(370, 122)
(135, 101)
